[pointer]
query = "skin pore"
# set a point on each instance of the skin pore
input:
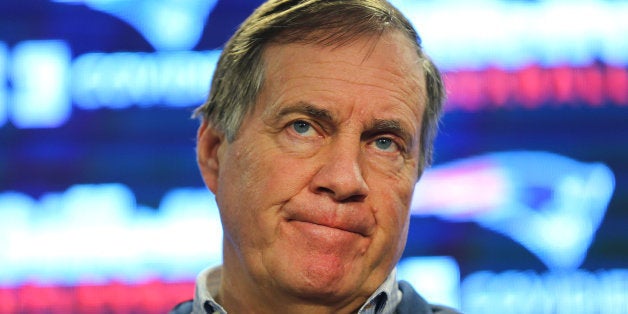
(315, 189)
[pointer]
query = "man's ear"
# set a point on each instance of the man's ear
(208, 141)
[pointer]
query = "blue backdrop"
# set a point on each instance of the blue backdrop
(526, 205)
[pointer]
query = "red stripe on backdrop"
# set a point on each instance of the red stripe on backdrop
(114, 297)
(534, 87)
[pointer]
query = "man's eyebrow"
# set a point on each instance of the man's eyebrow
(380, 126)
(309, 110)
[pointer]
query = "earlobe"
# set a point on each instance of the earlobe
(208, 141)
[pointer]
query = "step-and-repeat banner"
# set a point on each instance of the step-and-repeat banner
(101, 205)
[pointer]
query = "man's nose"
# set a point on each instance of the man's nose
(341, 175)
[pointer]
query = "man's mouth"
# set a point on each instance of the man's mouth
(344, 227)
(350, 219)
(326, 231)
(326, 225)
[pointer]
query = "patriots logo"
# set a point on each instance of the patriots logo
(166, 24)
(550, 204)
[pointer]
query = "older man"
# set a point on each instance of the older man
(319, 123)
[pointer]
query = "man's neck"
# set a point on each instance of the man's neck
(251, 298)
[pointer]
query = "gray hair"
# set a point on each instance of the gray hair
(239, 73)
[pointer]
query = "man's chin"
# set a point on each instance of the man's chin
(318, 263)
(334, 293)
(322, 283)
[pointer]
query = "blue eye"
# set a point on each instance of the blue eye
(301, 127)
(384, 143)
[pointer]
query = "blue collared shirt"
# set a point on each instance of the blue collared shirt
(383, 301)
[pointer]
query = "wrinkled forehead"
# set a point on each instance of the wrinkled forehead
(380, 76)
(391, 55)
(338, 37)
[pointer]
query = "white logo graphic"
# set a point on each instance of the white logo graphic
(166, 24)
(550, 204)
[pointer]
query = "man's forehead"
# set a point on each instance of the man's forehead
(397, 44)
(390, 54)
(385, 67)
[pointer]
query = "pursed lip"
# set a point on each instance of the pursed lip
(330, 226)
(347, 219)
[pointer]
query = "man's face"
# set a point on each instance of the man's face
(315, 189)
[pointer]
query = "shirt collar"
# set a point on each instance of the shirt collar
(385, 298)
(383, 301)
(207, 285)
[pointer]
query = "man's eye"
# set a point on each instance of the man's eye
(301, 127)
(385, 144)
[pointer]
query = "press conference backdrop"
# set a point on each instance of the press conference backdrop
(102, 209)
